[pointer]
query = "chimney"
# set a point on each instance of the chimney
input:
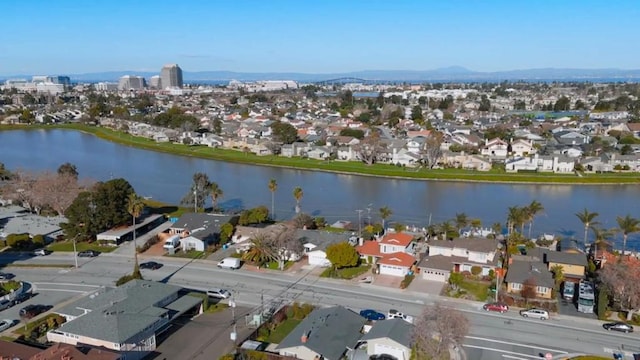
(360, 241)
(305, 336)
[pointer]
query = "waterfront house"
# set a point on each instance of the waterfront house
(525, 268)
(393, 254)
(495, 149)
(459, 255)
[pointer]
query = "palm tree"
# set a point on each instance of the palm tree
(558, 275)
(476, 224)
(515, 218)
(261, 251)
(496, 228)
(385, 213)
(273, 186)
(446, 228)
(297, 194)
(216, 193)
(135, 205)
(586, 218)
(461, 221)
(601, 239)
(532, 210)
(627, 225)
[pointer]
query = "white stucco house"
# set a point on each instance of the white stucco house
(458, 255)
(391, 254)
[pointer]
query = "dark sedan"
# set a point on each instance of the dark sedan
(151, 265)
(372, 315)
(22, 297)
(88, 253)
(618, 326)
(6, 276)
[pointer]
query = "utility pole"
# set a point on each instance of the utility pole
(232, 305)
(359, 211)
(75, 251)
(369, 213)
(195, 199)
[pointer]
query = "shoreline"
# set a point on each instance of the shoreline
(236, 156)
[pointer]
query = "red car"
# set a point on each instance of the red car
(497, 307)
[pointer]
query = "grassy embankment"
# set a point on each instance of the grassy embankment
(383, 170)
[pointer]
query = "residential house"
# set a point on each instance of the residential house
(17, 351)
(389, 337)
(495, 149)
(315, 244)
(126, 318)
(405, 157)
(573, 262)
(393, 254)
(523, 268)
(466, 161)
(459, 255)
(541, 163)
(522, 147)
(199, 230)
(326, 333)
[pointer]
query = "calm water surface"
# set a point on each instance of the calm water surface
(167, 178)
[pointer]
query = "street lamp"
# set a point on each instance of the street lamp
(195, 199)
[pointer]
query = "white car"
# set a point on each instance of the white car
(41, 252)
(219, 293)
(395, 314)
(535, 313)
(5, 324)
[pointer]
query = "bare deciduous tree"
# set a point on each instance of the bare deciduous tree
(623, 282)
(286, 244)
(436, 330)
(432, 150)
(370, 149)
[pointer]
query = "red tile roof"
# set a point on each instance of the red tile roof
(369, 247)
(397, 259)
(401, 239)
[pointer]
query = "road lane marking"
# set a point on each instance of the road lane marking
(512, 357)
(501, 351)
(65, 290)
(65, 284)
(515, 344)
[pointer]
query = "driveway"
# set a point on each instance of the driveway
(569, 308)
(203, 338)
(426, 286)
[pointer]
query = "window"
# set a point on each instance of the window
(516, 286)
(542, 289)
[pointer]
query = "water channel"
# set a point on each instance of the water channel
(167, 178)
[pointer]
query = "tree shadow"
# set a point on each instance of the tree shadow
(168, 209)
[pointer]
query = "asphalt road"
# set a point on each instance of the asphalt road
(491, 336)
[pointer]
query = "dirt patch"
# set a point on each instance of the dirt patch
(156, 249)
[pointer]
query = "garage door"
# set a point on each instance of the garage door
(380, 349)
(434, 275)
(392, 270)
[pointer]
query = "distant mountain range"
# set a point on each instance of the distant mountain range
(452, 73)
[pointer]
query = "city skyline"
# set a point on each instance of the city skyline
(326, 37)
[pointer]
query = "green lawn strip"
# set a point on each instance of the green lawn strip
(25, 330)
(350, 167)
(283, 329)
(67, 246)
(214, 308)
(191, 254)
(345, 273)
(157, 207)
(478, 289)
(7, 286)
(273, 265)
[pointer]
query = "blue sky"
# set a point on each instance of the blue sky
(316, 36)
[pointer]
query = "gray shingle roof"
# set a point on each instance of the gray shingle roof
(330, 331)
(397, 330)
(118, 314)
(472, 244)
(203, 226)
(561, 257)
(521, 270)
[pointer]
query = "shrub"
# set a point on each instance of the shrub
(406, 281)
(227, 357)
(476, 270)
(38, 240)
(19, 241)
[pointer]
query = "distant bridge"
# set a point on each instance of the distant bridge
(347, 80)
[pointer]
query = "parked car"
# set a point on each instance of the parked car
(618, 326)
(535, 313)
(372, 315)
(88, 253)
(230, 263)
(30, 311)
(6, 276)
(22, 297)
(151, 265)
(5, 324)
(497, 307)
(5, 304)
(219, 293)
(41, 252)
(395, 314)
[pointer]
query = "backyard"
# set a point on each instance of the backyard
(282, 330)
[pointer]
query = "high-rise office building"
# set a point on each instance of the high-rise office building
(129, 82)
(171, 76)
(155, 82)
